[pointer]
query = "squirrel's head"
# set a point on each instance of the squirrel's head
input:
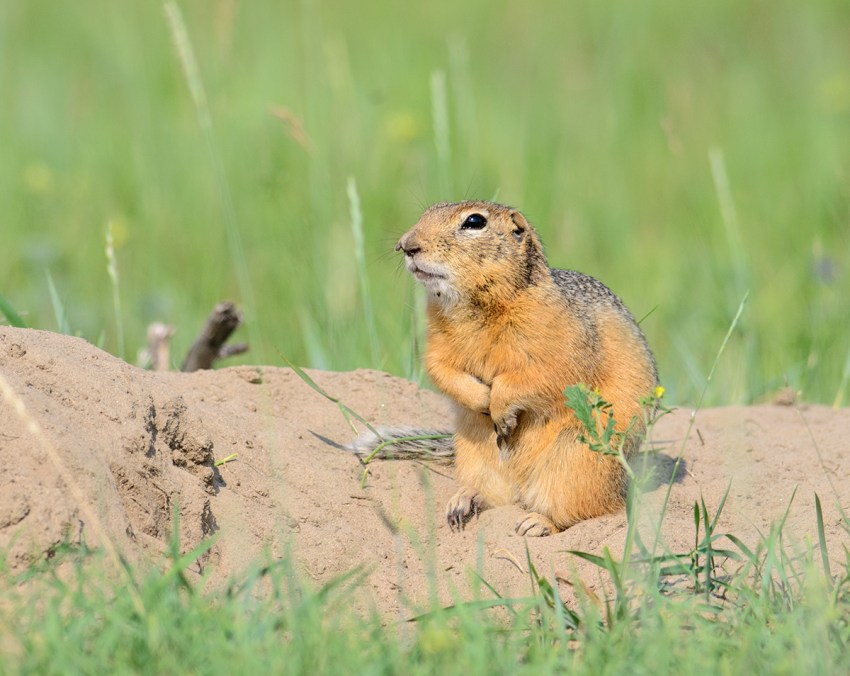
(474, 252)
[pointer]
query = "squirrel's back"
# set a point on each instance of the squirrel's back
(587, 296)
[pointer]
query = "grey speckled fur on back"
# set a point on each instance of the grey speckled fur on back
(585, 293)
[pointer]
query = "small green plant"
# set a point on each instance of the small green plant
(597, 418)
(599, 424)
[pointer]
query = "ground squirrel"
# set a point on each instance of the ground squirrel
(506, 335)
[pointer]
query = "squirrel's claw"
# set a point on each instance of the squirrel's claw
(504, 446)
(535, 525)
(463, 505)
(504, 428)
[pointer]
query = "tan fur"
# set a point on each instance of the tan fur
(505, 338)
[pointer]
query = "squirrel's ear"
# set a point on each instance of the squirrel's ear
(520, 225)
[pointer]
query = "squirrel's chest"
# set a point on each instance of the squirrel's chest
(487, 349)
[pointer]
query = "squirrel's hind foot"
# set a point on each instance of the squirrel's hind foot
(536, 525)
(463, 505)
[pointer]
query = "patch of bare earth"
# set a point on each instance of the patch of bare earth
(139, 445)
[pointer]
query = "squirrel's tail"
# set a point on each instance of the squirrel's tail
(405, 443)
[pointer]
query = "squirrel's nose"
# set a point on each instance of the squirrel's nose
(409, 247)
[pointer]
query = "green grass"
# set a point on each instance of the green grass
(683, 154)
(724, 607)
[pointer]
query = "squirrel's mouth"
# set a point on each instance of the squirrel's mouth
(422, 274)
(435, 279)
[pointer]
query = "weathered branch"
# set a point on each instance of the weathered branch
(209, 345)
(232, 350)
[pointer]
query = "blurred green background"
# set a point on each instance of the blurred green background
(684, 153)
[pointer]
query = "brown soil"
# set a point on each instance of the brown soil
(83, 432)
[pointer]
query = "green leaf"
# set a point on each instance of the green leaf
(746, 550)
(577, 400)
(593, 558)
(474, 605)
(822, 541)
(307, 379)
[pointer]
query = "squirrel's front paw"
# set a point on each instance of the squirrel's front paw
(463, 504)
(504, 427)
(535, 525)
(480, 396)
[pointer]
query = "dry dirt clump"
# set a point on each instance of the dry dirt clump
(138, 446)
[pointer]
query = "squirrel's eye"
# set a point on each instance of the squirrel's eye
(474, 222)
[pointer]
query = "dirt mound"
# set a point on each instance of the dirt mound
(82, 426)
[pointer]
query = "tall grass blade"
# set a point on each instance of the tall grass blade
(12, 317)
(180, 562)
(692, 421)
(587, 556)
(737, 252)
(455, 608)
(192, 73)
(775, 559)
(748, 553)
(301, 373)
(647, 315)
(842, 386)
(489, 586)
(347, 413)
(62, 323)
(722, 349)
(824, 555)
(356, 576)
(729, 216)
(360, 258)
(440, 111)
(317, 353)
(532, 577)
(417, 333)
(112, 270)
(827, 473)
(719, 509)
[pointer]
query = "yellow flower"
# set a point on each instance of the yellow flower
(659, 392)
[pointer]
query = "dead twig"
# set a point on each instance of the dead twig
(209, 345)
